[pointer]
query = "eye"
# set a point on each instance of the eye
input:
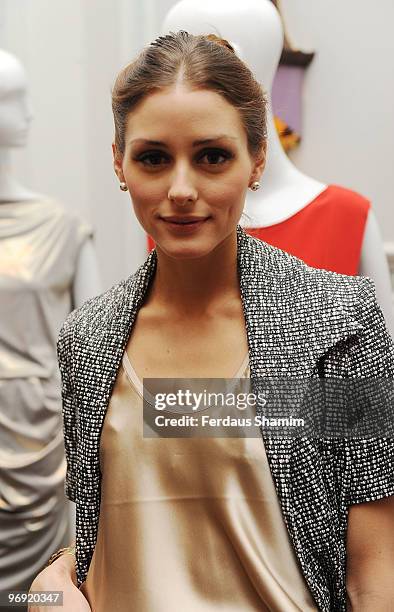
(151, 158)
(157, 158)
(213, 156)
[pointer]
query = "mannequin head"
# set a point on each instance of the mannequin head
(255, 30)
(15, 111)
(189, 138)
(253, 27)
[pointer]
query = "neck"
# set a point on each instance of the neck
(10, 189)
(278, 167)
(199, 286)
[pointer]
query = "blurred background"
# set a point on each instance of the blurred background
(73, 50)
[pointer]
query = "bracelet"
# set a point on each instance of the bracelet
(68, 550)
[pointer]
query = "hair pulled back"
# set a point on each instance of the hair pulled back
(200, 62)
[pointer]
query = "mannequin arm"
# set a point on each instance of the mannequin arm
(87, 281)
(373, 263)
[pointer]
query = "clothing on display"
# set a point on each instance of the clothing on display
(187, 524)
(327, 233)
(39, 245)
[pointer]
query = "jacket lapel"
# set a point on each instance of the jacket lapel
(103, 337)
(291, 323)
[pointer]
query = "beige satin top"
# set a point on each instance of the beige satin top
(187, 524)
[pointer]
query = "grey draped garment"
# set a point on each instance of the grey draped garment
(39, 244)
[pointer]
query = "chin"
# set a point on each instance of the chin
(177, 250)
(186, 253)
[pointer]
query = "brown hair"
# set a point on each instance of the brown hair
(201, 62)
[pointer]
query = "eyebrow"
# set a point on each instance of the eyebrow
(195, 143)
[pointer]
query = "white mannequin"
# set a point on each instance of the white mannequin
(254, 28)
(15, 116)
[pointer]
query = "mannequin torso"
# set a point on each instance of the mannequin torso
(47, 268)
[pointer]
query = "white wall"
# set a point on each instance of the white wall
(348, 135)
(73, 50)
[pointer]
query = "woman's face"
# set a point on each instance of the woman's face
(186, 157)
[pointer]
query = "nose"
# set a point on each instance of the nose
(182, 189)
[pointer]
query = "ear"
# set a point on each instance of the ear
(118, 161)
(259, 163)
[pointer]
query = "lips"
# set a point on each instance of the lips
(184, 226)
(185, 220)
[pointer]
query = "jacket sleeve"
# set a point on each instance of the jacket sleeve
(372, 356)
(64, 352)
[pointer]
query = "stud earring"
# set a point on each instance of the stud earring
(123, 186)
(255, 186)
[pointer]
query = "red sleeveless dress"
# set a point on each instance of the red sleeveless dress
(327, 233)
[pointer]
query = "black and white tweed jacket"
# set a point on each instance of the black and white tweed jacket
(300, 321)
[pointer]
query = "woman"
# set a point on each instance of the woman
(244, 524)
